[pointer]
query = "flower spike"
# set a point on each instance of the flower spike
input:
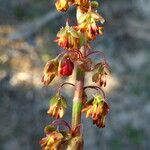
(76, 59)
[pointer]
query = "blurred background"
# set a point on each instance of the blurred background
(27, 31)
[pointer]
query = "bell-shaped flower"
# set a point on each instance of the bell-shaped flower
(66, 67)
(55, 139)
(50, 71)
(57, 107)
(97, 108)
(52, 141)
(101, 75)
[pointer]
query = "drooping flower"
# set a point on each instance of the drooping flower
(52, 141)
(55, 139)
(62, 5)
(97, 108)
(68, 38)
(50, 71)
(59, 139)
(66, 67)
(88, 24)
(100, 76)
(57, 106)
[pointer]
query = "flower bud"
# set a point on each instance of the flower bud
(66, 67)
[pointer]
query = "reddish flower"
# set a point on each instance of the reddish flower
(66, 67)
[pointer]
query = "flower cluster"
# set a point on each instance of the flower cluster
(68, 38)
(59, 139)
(76, 58)
(55, 139)
(63, 5)
(97, 108)
(88, 24)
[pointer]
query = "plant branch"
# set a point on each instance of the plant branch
(96, 87)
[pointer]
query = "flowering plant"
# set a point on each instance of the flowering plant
(76, 58)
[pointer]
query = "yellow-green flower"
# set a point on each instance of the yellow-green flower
(50, 71)
(52, 141)
(57, 106)
(97, 108)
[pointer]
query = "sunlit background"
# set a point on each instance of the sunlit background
(27, 31)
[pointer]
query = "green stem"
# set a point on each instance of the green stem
(77, 100)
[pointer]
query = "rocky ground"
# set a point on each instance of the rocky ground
(24, 101)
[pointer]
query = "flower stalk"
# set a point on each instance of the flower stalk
(78, 96)
(76, 58)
